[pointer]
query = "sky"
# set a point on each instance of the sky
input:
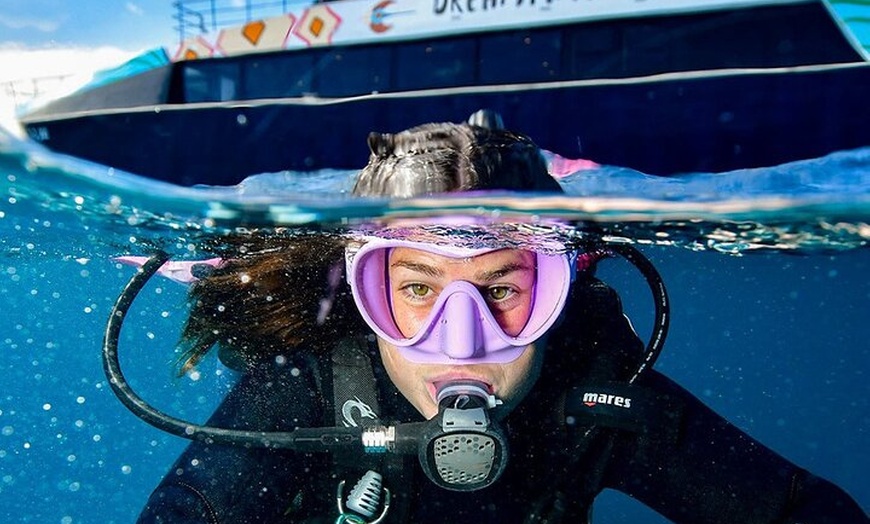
(50, 38)
(130, 25)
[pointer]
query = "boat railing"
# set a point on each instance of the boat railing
(23, 90)
(197, 17)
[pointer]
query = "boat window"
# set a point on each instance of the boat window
(592, 50)
(499, 55)
(432, 64)
(779, 36)
(353, 71)
(278, 75)
(210, 81)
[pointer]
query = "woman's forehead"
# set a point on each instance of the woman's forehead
(514, 259)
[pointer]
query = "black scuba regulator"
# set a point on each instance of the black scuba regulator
(462, 448)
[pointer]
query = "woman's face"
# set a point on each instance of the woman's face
(505, 279)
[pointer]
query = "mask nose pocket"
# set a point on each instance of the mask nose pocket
(460, 327)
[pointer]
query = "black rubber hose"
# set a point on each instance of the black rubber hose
(305, 439)
(308, 439)
(662, 305)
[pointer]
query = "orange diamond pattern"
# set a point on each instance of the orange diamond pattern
(253, 31)
(316, 26)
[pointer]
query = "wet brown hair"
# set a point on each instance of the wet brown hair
(442, 158)
(276, 292)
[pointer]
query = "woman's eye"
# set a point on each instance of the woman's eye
(499, 293)
(419, 290)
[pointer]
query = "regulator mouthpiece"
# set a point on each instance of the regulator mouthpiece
(465, 394)
(462, 448)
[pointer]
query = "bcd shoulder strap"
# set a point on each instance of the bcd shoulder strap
(354, 395)
(354, 389)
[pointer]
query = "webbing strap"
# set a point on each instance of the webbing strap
(354, 389)
(355, 401)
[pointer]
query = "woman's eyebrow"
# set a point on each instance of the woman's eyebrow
(426, 269)
(495, 274)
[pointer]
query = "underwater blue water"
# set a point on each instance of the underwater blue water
(767, 272)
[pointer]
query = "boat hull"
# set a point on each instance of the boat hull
(718, 121)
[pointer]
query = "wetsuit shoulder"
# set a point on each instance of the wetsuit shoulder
(689, 464)
(709, 471)
(224, 484)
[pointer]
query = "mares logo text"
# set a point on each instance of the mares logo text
(592, 399)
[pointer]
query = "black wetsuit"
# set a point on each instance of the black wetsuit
(687, 463)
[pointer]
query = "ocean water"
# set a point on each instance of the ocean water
(766, 270)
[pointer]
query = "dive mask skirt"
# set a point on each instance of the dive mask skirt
(460, 327)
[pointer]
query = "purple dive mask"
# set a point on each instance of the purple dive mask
(460, 327)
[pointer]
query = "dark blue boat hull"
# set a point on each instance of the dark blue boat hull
(711, 124)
